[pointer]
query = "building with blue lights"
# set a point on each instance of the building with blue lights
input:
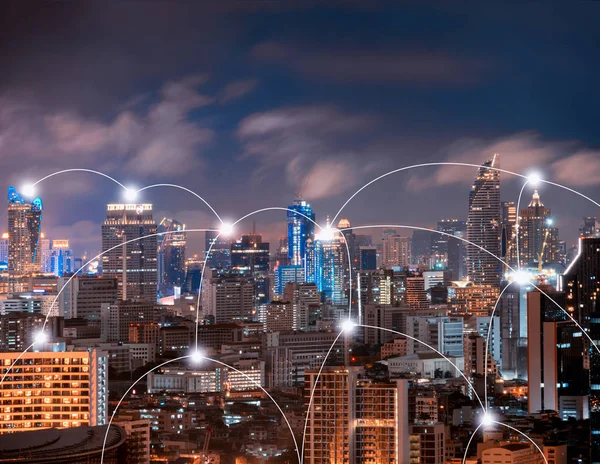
(24, 231)
(301, 227)
(325, 266)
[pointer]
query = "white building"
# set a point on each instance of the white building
(425, 365)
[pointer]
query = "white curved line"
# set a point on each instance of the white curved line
(487, 341)
(88, 262)
(457, 164)
(518, 224)
(187, 190)
(469, 442)
(79, 170)
(15, 362)
(312, 393)
(525, 435)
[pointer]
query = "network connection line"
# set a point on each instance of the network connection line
(191, 356)
(487, 342)
(448, 163)
(92, 171)
(470, 440)
(50, 309)
(518, 225)
(185, 189)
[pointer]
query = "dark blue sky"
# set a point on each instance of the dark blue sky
(249, 102)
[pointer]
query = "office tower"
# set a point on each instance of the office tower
(396, 252)
(353, 252)
(301, 227)
(445, 334)
(421, 247)
(278, 316)
(220, 253)
(581, 283)
(80, 376)
(250, 258)
(382, 315)
(446, 250)
(376, 287)
(84, 296)
(285, 274)
(509, 230)
(538, 239)
(589, 228)
(368, 258)
(305, 301)
(24, 234)
(134, 264)
(227, 299)
(171, 252)
(4, 248)
(483, 226)
(325, 266)
(59, 259)
(44, 248)
(416, 295)
(428, 442)
(138, 436)
(117, 319)
(353, 420)
(509, 310)
(18, 329)
(75, 445)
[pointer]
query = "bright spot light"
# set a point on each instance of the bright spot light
(28, 191)
(534, 179)
(131, 194)
(326, 234)
(40, 337)
(226, 230)
(521, 277)
(487, 420)
(348, 326)
(197, 356)
(549, 221)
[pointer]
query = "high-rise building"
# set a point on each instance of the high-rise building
(59, 259)
(538, 239)
(301, 227)
(4, 248)
(117, 319)
(484, 226)
(134, 264)
(368, 258)
(250, 258)
(421, 247)
(428, 442)
(396, 252)
(18, 329)
(80, 376)
(447, 251)
(24, 234)
(509, 228)
(353, 420)
(416, 295)
(220, 253)
(590, 227)
(285, 274)
(171, 253)
(305, 301)
(227, 299)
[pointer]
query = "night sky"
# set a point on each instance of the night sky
(247, 103)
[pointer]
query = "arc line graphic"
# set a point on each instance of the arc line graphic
(185, 189)
(524, 435)
(207, 359)
(518, 225)
(80, 170)
(469, 442)
(15, 362)
(312, 393)
(487, 342)
(496, 257)
(92, 259)
(448, 163)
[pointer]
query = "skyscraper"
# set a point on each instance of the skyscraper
(483, 226)
(396, 252)
(300, 228)
(326, 266)
(24, 230)
(135, 263)
(171, 252)
(250, 258)
(589, 228)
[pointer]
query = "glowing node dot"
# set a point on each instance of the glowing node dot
(487, 420)
(226, 230)
(534, 179)
(131, 194)
(197, 356)
(28, 191)
(40, 337)
(521, 277)
(549, 221)
(348, 326)
(326, 234)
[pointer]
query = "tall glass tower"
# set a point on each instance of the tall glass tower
(484, 226)
(24, 231)
(301, 227)
(171, 252)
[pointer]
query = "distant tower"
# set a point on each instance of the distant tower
(483, 226)
(24, 231)
(135, 263)
(171, 251)
(301, 227)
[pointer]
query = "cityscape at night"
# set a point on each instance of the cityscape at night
(299, 232)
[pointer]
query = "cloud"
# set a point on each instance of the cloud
(579, 169)
(518, 153)
(81, 235)
(237, 89)
(391, 66)
(317, 147)
(160, 140)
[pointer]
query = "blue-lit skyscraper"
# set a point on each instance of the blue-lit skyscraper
(326, 267)
(301, 227)
(24, 230)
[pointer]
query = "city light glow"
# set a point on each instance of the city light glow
(487, 420)
(348, 326)
(28, 190)
(226, 230)
(534, 179)
(521, 277)
(326, 234)
(131, 194)
(40, 337)
(197, 356)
